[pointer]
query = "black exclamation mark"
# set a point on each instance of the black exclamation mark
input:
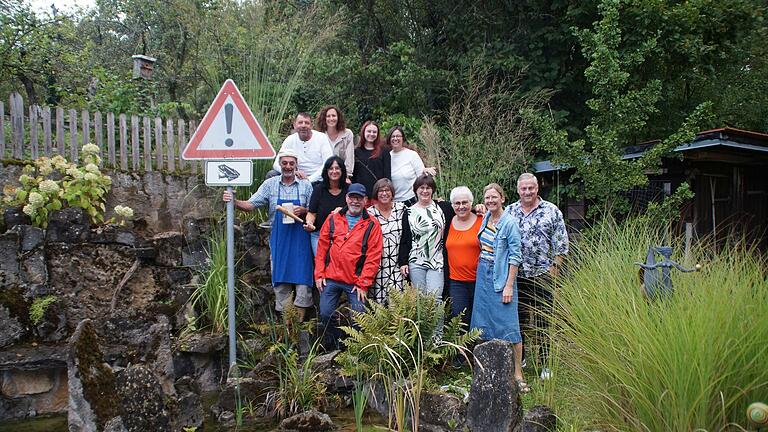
(228, 115)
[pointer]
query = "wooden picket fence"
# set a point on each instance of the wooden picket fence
(131, 142)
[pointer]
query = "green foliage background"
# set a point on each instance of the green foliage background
(612, 73)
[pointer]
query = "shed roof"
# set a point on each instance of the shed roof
(723, 137)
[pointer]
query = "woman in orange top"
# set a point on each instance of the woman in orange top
(462, 249)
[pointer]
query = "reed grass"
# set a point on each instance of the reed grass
(693, 361)
(210, 295)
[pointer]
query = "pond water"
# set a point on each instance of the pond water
(345, 419)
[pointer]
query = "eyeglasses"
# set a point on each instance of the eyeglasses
(461, 203)
(355, 197)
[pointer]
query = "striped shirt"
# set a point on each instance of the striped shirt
(487, 236)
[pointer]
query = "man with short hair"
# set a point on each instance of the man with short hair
(288, 241)
(543, 243)
(312, 147)
(348, 258)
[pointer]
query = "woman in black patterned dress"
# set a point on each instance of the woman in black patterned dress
(390, 217)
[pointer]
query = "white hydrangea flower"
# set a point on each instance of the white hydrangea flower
(30, 210)
(36, 199)
(92, 168)
(90, 176)
(124, 211)
(90, 148)
(49, 186)
(25, 179)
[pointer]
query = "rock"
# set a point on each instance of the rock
(70, 225)
(206, 369)
(13, 216)
(202, 343)
(168, 246)
(156, 348)
(34, 273)
(34, 357)
(20, 383)
(494, 403)
(10, 245)
(189, 409)
(324, 361)
(31, 237)
(115, 425)
(309, 421)
(539, 419)
(142, 400)
(443, 411)
(195, 254)
(93, 399)
(11, 330)
(227, 419)
(114, 234)
(53, 326)
(252, 390)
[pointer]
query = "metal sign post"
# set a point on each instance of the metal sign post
(231, 278)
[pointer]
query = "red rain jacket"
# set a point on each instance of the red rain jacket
(351, 257)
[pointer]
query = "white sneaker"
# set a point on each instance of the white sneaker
(546, 373)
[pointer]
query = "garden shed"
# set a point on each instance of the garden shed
(726, 169)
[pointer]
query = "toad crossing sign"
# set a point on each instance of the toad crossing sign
(227, 138)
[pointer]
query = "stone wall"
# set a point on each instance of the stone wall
(161, 202)
(135, 289)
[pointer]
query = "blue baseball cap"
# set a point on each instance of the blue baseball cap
(357, 189)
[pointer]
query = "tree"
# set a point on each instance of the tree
(621, 106)
(36, 52)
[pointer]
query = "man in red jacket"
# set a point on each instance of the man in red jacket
(347, 260)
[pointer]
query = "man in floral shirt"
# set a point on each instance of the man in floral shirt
(544, 242)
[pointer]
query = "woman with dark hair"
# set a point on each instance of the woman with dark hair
(330, 120)
(326, 197)
(390, 217)
(406, 166)
(421, 247)
(494, 311)
(372, 161)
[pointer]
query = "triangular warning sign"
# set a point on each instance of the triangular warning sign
(229, 130)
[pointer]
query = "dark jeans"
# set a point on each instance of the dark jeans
(535, 303)
(462, 295)
(329, 299)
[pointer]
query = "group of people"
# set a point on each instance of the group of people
(362, 218)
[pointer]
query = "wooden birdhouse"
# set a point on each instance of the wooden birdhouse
(143, 66)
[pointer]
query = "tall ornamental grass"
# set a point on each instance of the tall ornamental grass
(694, 361)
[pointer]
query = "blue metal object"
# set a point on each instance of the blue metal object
(657, 280)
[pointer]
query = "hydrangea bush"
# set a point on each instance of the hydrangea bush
(50, 184)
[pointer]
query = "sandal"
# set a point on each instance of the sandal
(522, 386)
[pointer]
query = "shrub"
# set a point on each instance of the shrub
(691, 362)
(394, 347)
(485, 139)
(50, 184)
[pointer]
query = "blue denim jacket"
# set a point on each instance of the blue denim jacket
(506, 248)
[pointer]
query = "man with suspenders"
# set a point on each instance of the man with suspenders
(347, 260)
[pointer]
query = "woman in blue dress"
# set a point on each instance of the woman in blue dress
(494, 310)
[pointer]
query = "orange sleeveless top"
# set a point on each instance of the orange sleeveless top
(463, 251)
